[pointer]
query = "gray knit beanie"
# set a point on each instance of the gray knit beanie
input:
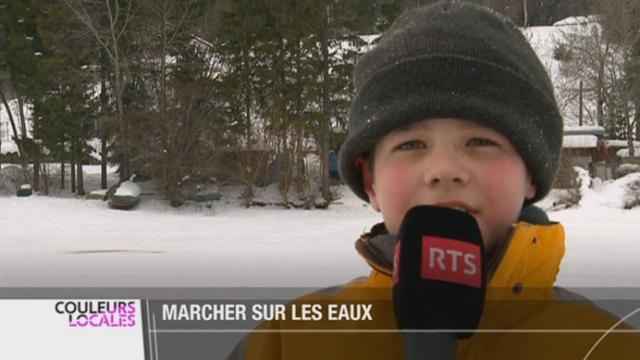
(456, 60)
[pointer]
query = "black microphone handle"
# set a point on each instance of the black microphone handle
(429, 346)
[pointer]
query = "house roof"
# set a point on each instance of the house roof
(583, 130)
(579, 141)
(620, 143)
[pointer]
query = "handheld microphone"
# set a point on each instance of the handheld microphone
(439, 280)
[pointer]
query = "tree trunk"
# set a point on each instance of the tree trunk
(581, 105)
(249, 192)
(62, 170)
(36, 170)
(600, 111)
(23, 133)
(284, 162)
(326, 110)
(600, 92)
(125, 159)
(163, 82)
(125, 168)
(80, 190)
(637, 118)
(45, 177)
(23, 121)
(104, 104)
(247, 100)
(103, 163)
(627, 121)
(73, 174)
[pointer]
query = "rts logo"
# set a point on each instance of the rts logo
(451, 261)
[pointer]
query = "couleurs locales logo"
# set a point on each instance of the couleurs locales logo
(98, 313)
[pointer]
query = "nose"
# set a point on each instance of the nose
(445, 167)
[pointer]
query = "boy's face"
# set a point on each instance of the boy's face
(451, 163)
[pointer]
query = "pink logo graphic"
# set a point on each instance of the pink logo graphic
(97, 313)
(396, 263)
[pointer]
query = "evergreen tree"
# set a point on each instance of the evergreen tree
(288, 68)
(179, 96)
(334, 31)
(64, 102)
(109, 22)
(242, 38)
(19, 48)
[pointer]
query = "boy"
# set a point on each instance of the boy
(453, 108)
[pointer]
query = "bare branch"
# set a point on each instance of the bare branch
(128, 16)
(83, 16)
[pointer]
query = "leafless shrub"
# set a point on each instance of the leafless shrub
(11, 177)
(569, 180)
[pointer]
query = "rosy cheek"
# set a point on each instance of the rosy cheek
(501, 172)
(503, 185)
(394, 189)
(493, 180)
(394, 179)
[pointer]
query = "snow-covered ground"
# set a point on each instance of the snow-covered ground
(68, 242)
(57, 241)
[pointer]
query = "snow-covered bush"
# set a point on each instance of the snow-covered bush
(309, 197)
(622, 193)
(626, 169)
(11, 177)
(632, 194)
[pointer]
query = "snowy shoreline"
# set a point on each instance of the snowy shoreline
(50, 241)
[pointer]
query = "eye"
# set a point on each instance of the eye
(478, 141)
(411, 145)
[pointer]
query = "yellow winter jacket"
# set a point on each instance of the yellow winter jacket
(524, 316)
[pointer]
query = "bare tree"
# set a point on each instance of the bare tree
(108, 21)
(621, 25)
(600, 53)
(178, 76)
(584, 53)
(14, 129)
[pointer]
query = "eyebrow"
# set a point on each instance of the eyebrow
(405, 127)
(413, 125)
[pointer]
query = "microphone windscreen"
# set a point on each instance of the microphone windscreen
(438, 273)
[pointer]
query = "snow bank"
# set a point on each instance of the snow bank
(623, 193)
(618, 193)
(157, 245)
(626, 169)
(101, 192)
(624, 153)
